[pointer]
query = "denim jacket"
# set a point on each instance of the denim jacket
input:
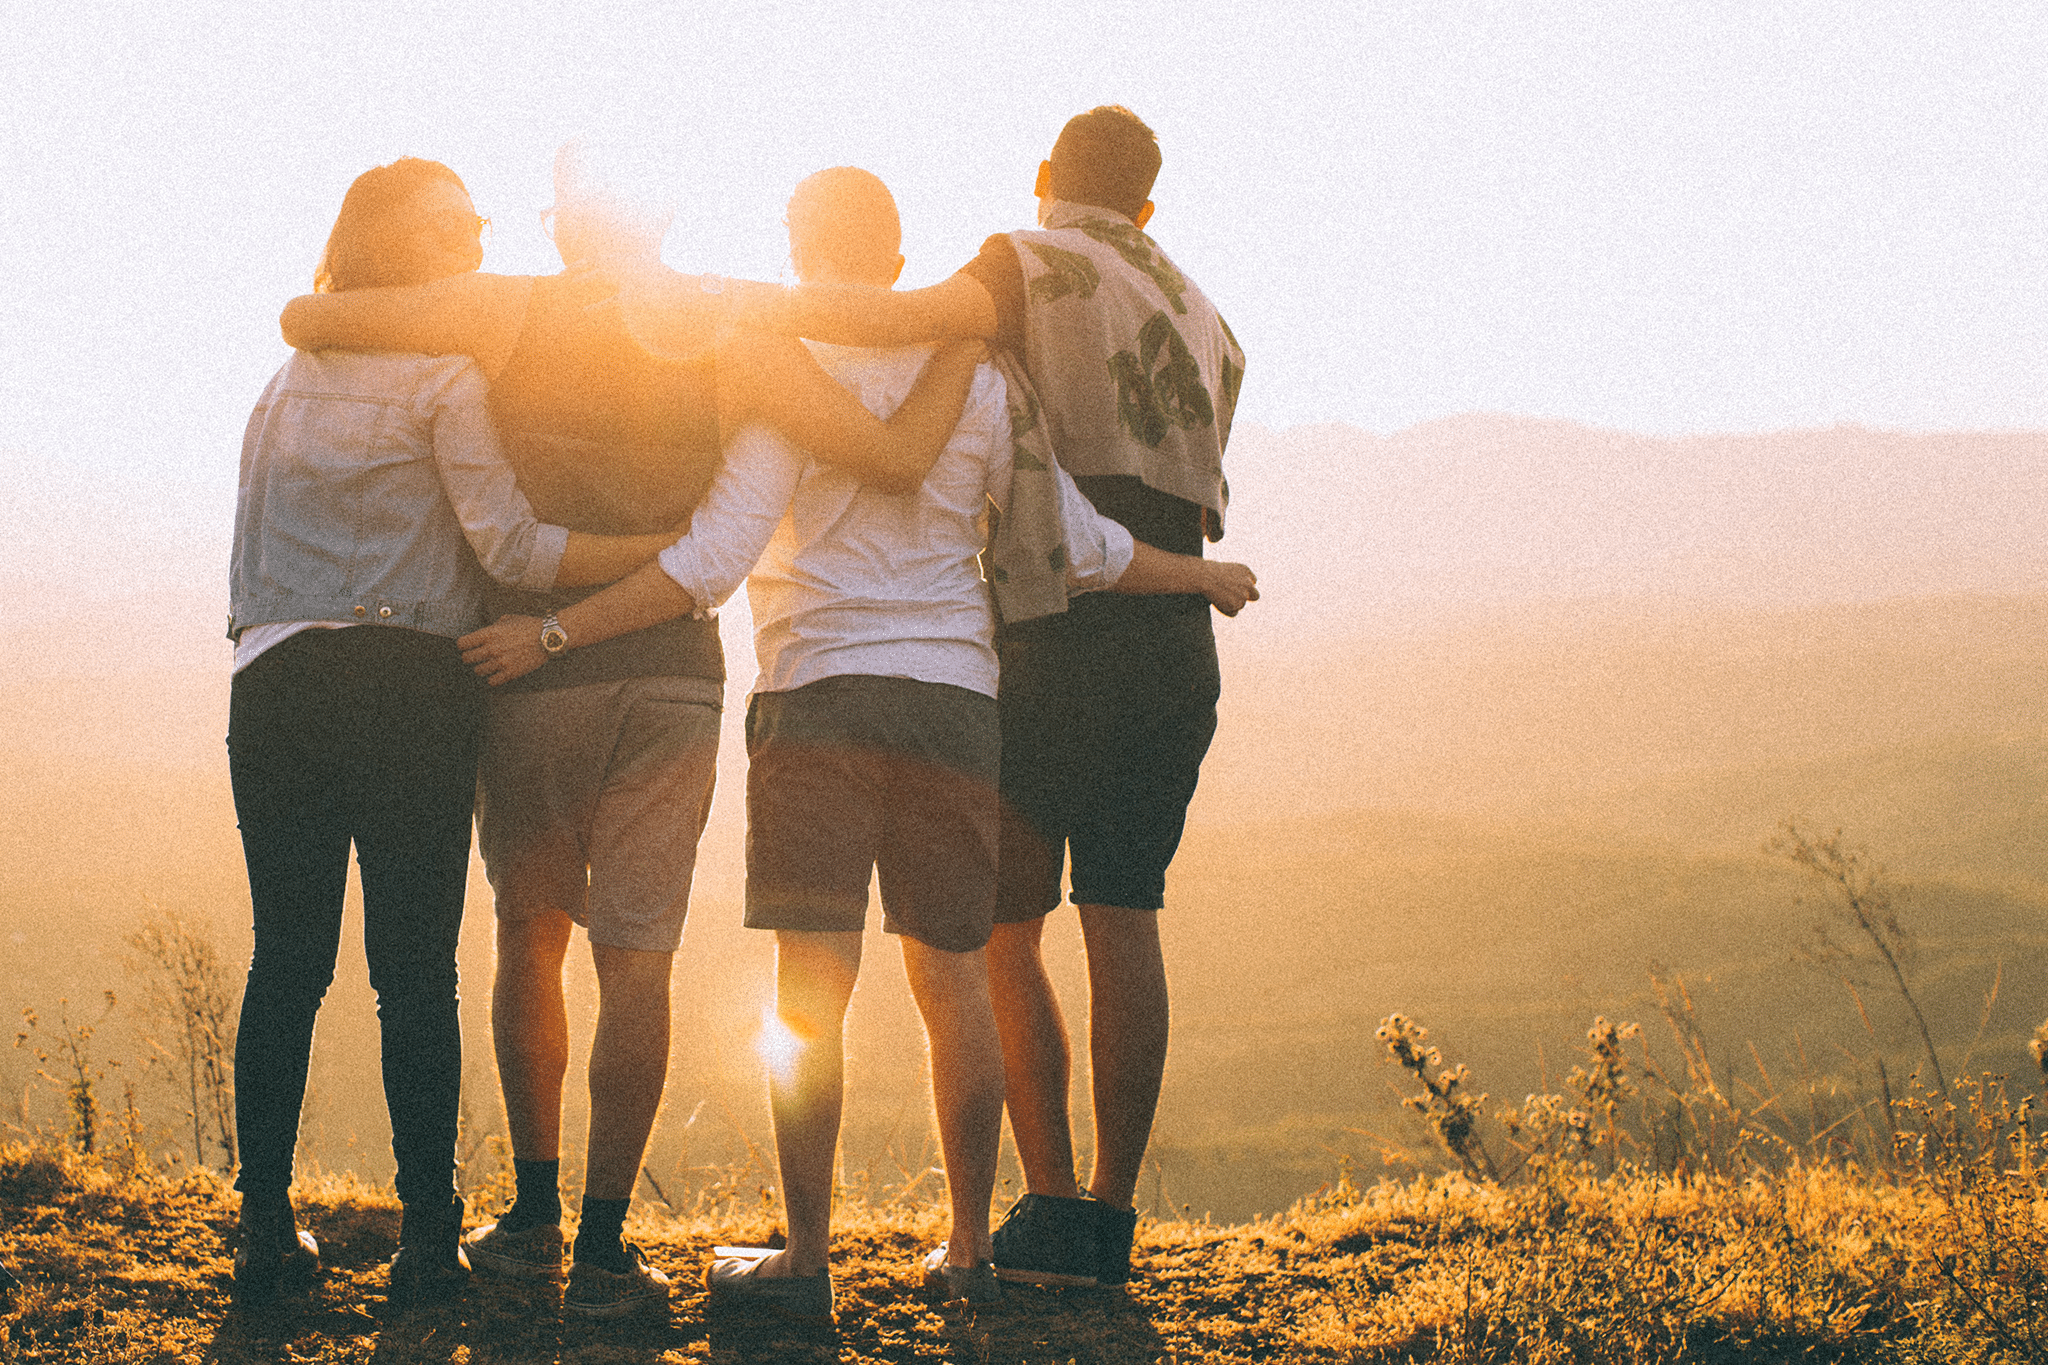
(373, 490)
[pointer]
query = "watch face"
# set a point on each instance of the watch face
(554, 639)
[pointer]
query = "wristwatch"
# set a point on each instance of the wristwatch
(554, 641)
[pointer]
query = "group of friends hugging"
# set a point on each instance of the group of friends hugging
(482, 525)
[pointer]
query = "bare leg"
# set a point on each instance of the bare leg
(1037, 1064)
(814, 976)
(1127, 1030)
(628, 1065)
(530, 1031)
(952, 994)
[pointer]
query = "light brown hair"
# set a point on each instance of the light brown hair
(372, 242)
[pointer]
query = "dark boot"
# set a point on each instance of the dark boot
(430, 1265)
(273, 1255)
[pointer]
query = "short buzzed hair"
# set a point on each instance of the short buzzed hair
(845, 219)
(1106, 158)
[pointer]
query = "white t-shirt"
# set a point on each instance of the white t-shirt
(856, 581)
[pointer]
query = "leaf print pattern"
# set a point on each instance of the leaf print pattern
(1068, 273)
(1136, 248)
(1149, 403)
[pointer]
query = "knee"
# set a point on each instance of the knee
(415, 982)
(283, 978)
(536, 938)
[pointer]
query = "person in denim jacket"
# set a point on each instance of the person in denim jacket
(373, 501)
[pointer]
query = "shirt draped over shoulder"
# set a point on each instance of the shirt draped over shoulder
(1164, 500)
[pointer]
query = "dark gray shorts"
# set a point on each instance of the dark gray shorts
(591, 799)
(1107, 713)
(854, 774)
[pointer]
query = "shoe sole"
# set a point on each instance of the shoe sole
(510, 1268)
(1051, 1279)
(640, 1303)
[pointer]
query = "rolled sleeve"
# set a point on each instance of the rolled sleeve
(737, 518)
(1098, 549)
(550, 543)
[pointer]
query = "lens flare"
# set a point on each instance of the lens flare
(779, 1048)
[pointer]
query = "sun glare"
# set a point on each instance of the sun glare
(779, 1047)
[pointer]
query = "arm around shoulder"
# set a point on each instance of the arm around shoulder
(775, 380)
(471, 314)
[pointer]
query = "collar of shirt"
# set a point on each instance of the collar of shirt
(1061, 214)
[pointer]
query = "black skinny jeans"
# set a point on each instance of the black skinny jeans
(368, 736)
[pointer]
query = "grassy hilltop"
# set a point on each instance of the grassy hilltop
(1937, 1259)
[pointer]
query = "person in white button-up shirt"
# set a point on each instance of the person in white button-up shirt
(845, 579)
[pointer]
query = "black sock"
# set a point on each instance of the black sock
(269, 1213)
(597, 1234)
(539, 1199)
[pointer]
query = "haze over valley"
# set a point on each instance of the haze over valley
(1521, 705)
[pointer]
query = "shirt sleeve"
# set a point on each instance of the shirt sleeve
(513, 545)
(1098, 550)
(737, 518)
(998, 270)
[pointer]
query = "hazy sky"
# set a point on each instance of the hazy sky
(1665, 218)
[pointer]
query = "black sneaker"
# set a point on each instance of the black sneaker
(533, 1253)
(275, 1256)
(430, 1265)
(1044, 1239)
(1114, 1229)
(629, 1285)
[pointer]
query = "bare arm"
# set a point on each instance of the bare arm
(773, 379)
(471, 314)
(601, 559)
(1154, 571)
(509, 647)
(727, 534)
(865, 315)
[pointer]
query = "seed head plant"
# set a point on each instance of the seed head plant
(1446, 1101)
(78, 1072)
(1603, 1083)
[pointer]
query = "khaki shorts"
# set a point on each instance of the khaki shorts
(591, 799)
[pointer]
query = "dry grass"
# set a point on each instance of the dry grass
(1943, 1262)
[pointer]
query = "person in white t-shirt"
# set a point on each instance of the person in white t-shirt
(873, 742)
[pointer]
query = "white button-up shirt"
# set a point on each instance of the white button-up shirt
(850, 580)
